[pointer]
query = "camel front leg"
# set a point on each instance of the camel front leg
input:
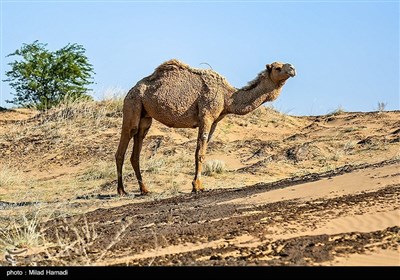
(144, 127)
(130, 125)
(126, 136)
(213, 126)
(119, 158)
(201, 148)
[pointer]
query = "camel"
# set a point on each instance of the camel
(180, 96)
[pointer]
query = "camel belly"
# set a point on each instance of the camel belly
(183, 123)
(173, 115)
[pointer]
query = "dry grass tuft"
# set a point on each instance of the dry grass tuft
(340, 110)
(91, 112)
(21, 232)
(98, 171)
(154, 165)
(381, 106)
(212, 167)
(25, 240)
(9, 176)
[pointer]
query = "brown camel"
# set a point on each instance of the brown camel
(183, 97)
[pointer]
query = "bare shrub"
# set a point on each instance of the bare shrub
(21, 232)
(9, 176)
(340, 110)
(97, 171)
(212, 167)
(154, 165)
(381, 106)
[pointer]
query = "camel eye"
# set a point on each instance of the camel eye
(278, 68)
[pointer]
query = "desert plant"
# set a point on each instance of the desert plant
(338, 154)
(21, 232)
(97, 171)
(174, 189)
(349, 147)
(42, 79)
(340, 110)
(154, 165)
(381, 106)
(9, 176)
(214, 166)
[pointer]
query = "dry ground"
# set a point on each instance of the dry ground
(282, 190)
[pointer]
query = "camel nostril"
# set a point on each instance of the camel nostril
(292, 70)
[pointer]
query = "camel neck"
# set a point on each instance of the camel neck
(245, 100)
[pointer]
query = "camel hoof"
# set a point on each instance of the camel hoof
(197, 186)
(197, 190)
(144, 192)
(142, 188)
(122, 192)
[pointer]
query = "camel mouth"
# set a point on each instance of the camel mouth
(292, 72)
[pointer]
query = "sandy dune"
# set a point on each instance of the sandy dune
(314, 191)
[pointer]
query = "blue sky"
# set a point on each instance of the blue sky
(346, 53)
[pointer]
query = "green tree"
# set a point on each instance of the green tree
(42, 79)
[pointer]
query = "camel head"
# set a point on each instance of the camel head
(280, 72)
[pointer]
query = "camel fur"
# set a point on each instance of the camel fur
(183, 97)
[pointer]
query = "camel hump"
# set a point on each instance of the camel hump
(210, 77)
(172, 64)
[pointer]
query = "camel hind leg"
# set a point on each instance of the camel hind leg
(144, 127)
(130, 127)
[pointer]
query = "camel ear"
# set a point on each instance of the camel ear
(269, 67)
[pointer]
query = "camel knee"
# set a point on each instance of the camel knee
(129, 130)
(133, 131)
(119, 157)
(201, 158)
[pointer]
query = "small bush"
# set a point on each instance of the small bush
(154, 166)
(9, 176)
(212, 167)
(174, 189)
(21, 233)
(100, 170)
(340, 110)
(381, 106)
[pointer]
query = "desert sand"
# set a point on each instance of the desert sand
(309, 190)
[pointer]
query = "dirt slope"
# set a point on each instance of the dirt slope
(320, 190)
(270, 224)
